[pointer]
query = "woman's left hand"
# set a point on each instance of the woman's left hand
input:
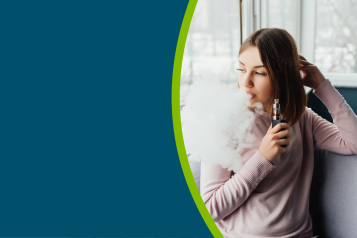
(312, 75)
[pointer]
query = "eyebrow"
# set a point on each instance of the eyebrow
(259, 66)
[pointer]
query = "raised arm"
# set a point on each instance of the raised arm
(223, 193)
(340, 137)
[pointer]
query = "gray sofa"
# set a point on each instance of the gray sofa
(333, 194)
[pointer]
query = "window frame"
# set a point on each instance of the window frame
(255, 16)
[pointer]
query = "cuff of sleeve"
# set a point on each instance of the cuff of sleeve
(255, 169)
(328, 94)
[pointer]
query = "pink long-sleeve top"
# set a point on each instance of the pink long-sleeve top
(265, 199)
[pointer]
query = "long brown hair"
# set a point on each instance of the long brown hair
(279, 55)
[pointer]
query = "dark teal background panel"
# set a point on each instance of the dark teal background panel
(87, 142)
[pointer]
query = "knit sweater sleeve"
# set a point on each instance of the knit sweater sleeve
(340, 137)
(223, 193)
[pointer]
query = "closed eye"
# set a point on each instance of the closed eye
(260, 74)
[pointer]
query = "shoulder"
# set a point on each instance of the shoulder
(308, 113)
(307, 116)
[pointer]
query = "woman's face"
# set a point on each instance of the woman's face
(253, 77)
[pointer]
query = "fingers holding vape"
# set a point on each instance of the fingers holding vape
(283, 137)
(272, 142)
(278, 127)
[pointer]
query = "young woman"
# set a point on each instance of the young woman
(269, 196)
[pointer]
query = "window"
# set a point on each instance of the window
(323, 29)
(212, 44)
(336, 41)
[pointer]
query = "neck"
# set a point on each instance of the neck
(269, 109)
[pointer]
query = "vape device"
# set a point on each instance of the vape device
(276, 116)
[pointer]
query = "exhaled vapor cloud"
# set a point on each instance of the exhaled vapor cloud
(217, 123)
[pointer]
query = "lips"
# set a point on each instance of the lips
(253, 95)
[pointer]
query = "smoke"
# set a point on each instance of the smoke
(217, 124)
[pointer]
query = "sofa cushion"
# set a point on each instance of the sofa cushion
(333, 194)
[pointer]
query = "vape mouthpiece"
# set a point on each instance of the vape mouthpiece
(276, 110)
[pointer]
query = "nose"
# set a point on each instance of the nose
(247, 81)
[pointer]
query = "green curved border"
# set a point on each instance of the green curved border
(176, 118)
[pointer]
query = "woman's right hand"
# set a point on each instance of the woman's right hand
(270, 147)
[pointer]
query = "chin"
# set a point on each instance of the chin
(251, 101)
